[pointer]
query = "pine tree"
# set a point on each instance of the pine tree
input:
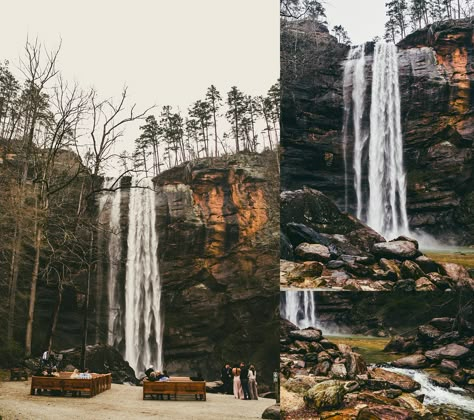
(237, 109)
(214, 100)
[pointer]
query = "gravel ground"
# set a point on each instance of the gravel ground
(121, 402)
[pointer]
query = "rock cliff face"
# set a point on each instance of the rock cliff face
(436, 80)
(219, 264)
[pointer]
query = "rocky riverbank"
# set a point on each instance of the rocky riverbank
(322, 247)
(446, 344)
(323, 380)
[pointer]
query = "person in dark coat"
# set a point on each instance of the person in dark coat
(244, 380)
(227, 379)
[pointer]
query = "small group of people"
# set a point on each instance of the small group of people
(156, 375)
(85, 374)
(241, 381)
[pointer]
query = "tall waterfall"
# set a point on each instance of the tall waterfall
(114, 251)
(385, 207)
(299, 307)
(143, 319)
(355, 84)
(387, 182)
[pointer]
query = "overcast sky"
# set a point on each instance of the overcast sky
(167, 51)
(362, 19)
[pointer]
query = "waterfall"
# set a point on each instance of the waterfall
(114, 252)
(143, 320)
(354, 88)
(387, 184)
(299, 307)
(385, 207)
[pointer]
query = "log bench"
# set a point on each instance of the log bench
(174, 387)
(63, 383)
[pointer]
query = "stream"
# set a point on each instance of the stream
(454, 402)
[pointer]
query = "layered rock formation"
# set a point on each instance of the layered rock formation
(436, 79)
(325, 248)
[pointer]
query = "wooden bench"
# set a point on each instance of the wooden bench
(63, 383)
(175, 387)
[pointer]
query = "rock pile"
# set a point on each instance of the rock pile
(443, 343)
(325, 248)
(320, 377)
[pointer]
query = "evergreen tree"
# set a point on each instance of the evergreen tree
(214, 100)
(237, 109)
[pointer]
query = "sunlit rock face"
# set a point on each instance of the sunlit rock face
(435, 76)
(217, 225)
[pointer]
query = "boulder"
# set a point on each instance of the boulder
(454, 271)
(428, 333)
(448, 366)
(328, 394)
(355, 365)
(424, 285)
(312, 252)
(405, 285)
(409, 402)
(440, 281)
(391, 266)
(385, 412)
(400, 250)
(414, 361)
(444, 324)
(308, 334)
(272, 412)
(298, 272)
(411, 270)
(441, 381)
(300, 383)
(286, 249)
(427, 264)
(215, 387)
(338, 371)
(451, 352)
(384, 379)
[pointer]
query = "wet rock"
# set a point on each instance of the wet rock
(335, 264)
(441, 381)
(415, 361)
(440, 281)
(385, 379)
(411, 270)
(411, 403)
(286, 249)
(355, 365)
(451, 352)
(401, 250)
(448, 366)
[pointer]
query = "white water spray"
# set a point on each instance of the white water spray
(114, 251)
(435, 395)
(143, 319)
(355, 86)
(387, 183)
(300, 308)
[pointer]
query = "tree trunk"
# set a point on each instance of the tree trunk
(15, 265)
(216, 151)
(236, 130)
(52, 332)
(34, 281)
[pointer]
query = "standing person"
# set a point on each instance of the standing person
(226, 376)
(244, 380)
(253, 383)
(238, 393)
(45, 360)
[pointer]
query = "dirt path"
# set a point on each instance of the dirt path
(120, 402)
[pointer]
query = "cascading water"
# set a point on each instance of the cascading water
(355, 86)
(143, 319)
(385, 207)
(387, 183)
(435, 395)
(299, 308)
(114, 251)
